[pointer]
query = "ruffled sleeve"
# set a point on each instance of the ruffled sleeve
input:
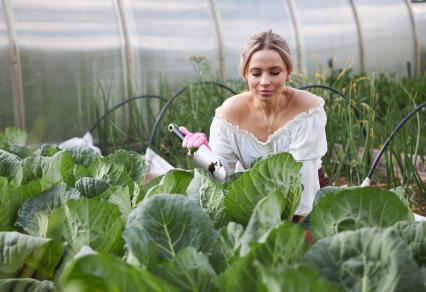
(308, 145)
(311, 185)
(219, 140)
(309, 139)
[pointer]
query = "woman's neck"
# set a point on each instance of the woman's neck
(272, 108)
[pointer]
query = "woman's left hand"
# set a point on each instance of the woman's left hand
(194, 139)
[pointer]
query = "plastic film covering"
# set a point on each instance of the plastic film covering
(167, 38)
(70, 54)
(242, 19)
(329, 33)
(387, 36)
(6, 95)
(419, 10)
(73, 53)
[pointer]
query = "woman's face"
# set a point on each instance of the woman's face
(266, 75)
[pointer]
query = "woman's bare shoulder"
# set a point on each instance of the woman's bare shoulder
(234, 108)
(304, 100)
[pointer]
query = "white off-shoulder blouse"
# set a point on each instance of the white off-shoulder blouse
(304, 137)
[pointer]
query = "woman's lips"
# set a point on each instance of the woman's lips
(266, 92)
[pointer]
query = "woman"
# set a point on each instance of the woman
(270, 118)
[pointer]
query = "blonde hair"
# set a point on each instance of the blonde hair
(266, 40)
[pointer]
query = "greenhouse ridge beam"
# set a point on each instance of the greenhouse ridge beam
(18, 98)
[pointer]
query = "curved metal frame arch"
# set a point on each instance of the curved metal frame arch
(322, 86)
(391, 136)
(170, 101)
(334, 90)
(93, 127)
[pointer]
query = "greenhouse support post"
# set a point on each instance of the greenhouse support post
(360, 35)
(296, 24)
(18, 97)
(218, 27)
(417, 57)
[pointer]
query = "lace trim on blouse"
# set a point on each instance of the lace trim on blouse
(276, 133)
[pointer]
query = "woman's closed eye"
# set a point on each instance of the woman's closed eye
(258, 74)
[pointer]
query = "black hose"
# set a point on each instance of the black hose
(392, 135)
(170, 101)
(120, 105)
(334, 90)
(322, 86)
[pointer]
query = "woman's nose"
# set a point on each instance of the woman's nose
(264, 80)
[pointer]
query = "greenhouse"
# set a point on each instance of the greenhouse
(320, 187)
(62, 54)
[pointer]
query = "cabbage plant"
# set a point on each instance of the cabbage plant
(74, 220)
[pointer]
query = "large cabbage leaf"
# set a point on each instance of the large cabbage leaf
(119, 196)
(26, 284)
(122, 168)
(209, 194)
(12, 136)
(17, 249)
(401, 193)
(189, 271)
(134, 164)
(368, 259)
(284, 246)
(86, 222)
(33, 216)
(230, 240)
(295, 279)
(279, 172)
(175, 181)
(105, 273)
(91, 187)
(327, 189)
(414, 235)
(119, 168)
(352, 209)
(11, 199)
(265, 217)
(13, 140)
(9, 204)
(47, 150)
(163, 225)
(10, 167)
(55, 169)
(83, 155)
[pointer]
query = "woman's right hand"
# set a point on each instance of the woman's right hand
(193, 139)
